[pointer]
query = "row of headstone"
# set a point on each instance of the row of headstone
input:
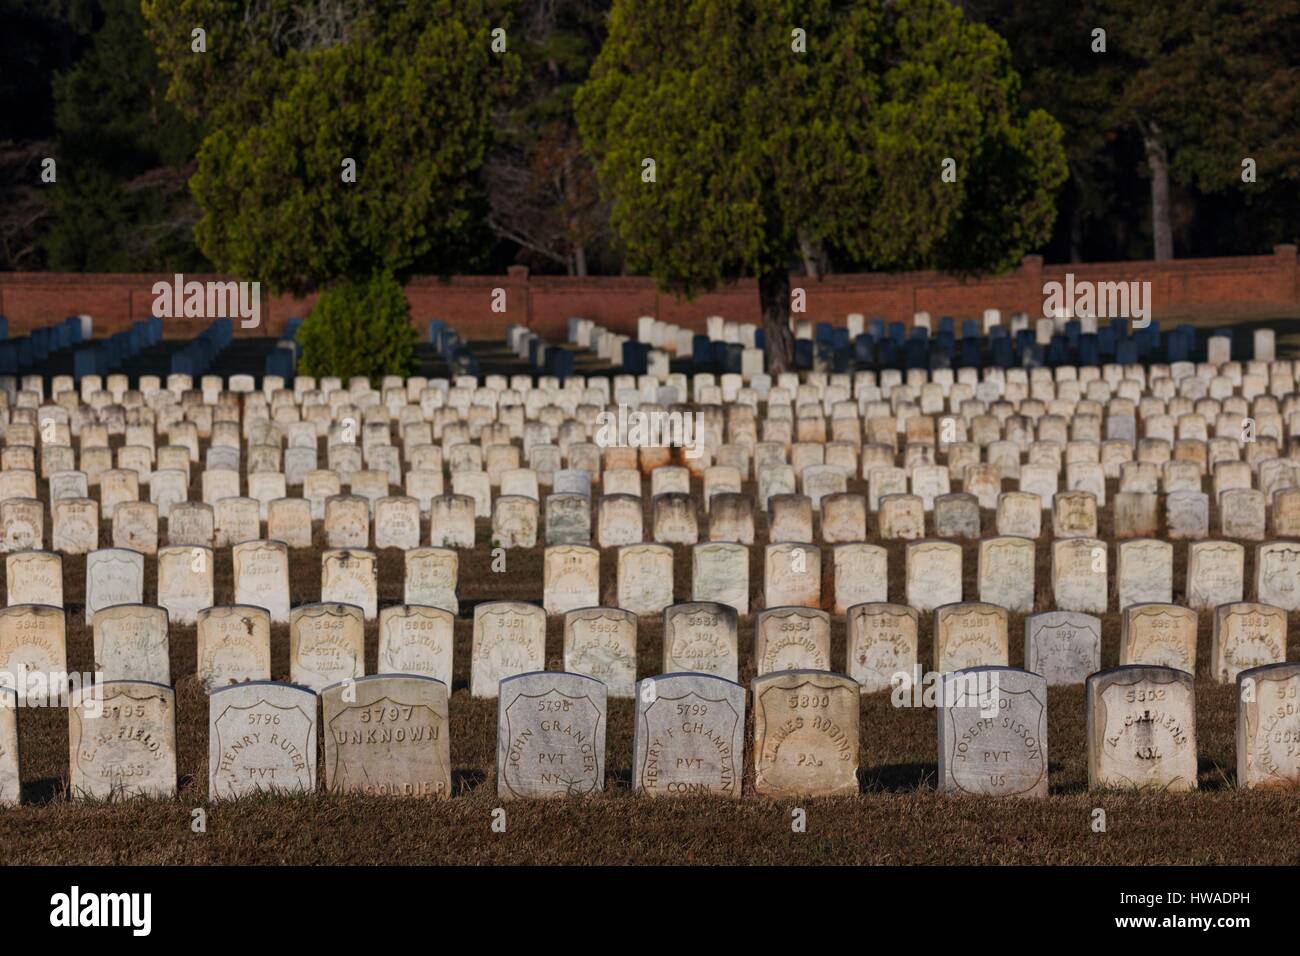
(327, 643)
(388, 735)
(644, 580)
(399, 522)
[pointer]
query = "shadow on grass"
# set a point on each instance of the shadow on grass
(44, 791)
(900, 777)
(467, 781)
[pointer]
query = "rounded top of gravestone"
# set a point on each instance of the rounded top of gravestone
(693, 677)
(370, 679)
(278, 684)
(1283, 670)
(1155, 671)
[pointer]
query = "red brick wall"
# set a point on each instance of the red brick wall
(1182, 289)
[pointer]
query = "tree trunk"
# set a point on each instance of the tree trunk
(580, 259)
(774, 296)
(1076, 227)
(809, 256)
(1158, 159)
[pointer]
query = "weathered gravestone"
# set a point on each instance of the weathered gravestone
(76, 525)
(10, 775)
(1242, 513)
(1135, 514)
(347, 522)
(234, 645)
(22, 524)
(326, 644)
(34, 577)
(130, 642)
(1020, 514)
(191, 523)
(1074, 515)
(902, 517)
(792, 638)
(645, 578)
(432, 577)
(451, 522)
(1277, 574)
(397, 522)
(1246, 636)
(1141, 728)
(184, 582)
(861, 575)
(844, 518)
(261, 738)
(1063, 646)
(514, 522)
(688, 737)
(1268, 726)
(1145, 572)
(934, 574)
(416, 639)
(568, 519)
(970, 635)
(675, 519)
(790, 519)
(34, 653)
(262, 577)
(993, 733)
(387, 735)
(792, 576)
(550, 735)
(236, 520)
(1215, 573)
(618, 521)
(731, 518)
(957, 515)
(1006, 573)
(1079, 575)
(122, 740)
(509, 639)
(720, 572)
(570, 578)
(1187, 515)
(805, 734)
(701, 638)
(113, 576)
(350, 577)
(600, 642)
(1159, 634)
(882, 642)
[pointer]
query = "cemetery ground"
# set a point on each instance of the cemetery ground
(897, 819)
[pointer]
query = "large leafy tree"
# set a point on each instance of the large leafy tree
(1207, 84)
(295, 94)
(1178, 93)
(759, 148)
(124, 156)
(541, 182)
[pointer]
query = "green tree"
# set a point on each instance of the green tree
(344, 140)
(540, 181)
(1207, 84)
(763, 137)
(1178, 93)
(124, 155)
(359, 328)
